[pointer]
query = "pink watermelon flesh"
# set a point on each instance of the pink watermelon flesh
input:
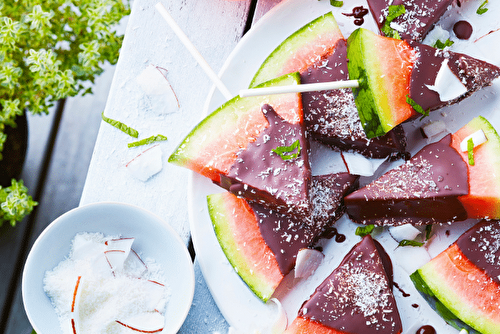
(464, 279)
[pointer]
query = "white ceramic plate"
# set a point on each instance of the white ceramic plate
(154, 239)
(237, 303)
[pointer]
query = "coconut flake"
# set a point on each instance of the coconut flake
(307, 262)
(358, 164)
(146, 164)
(447, 85)
(404, 232)
(478, 138)
(434, 128)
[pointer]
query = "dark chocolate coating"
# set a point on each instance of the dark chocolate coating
(286, 235)
(418, 20)
(262, 176)
(357, 296)
(473, 73)
(331, 117)
(425, 189)
(481, 245)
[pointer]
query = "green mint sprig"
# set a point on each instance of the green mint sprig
(288, 152)
(394, 12)
(441, 45)
(470, 151)
(417, 107)
(120, 126)
(482, 9)
(147, 141)
(364, 230)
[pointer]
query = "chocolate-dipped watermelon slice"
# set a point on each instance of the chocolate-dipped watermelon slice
(274, 169)
(441, 183)
(356, 298)
(411, 19)
(318, 52)
(262, 244)
(211, 148)
(398, 78)
(463, 282)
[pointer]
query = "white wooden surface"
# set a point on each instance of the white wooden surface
(214, 27)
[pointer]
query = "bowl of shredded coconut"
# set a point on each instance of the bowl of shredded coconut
(108, 268)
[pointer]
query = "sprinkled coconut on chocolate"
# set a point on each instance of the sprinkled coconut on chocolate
(357, 296)
(481, 245)
(274, 169)
(331, 117)
(423, 190)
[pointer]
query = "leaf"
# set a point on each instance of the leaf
(482, 9)
(470, 151)
(412, 243)
(441, 45)
(363, 231)
(428, 231)
(120, 126)
(394, 12)
(417, 107)
(147, 141)
(284, 151)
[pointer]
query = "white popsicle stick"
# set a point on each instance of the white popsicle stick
(194, 52)
(299, 88)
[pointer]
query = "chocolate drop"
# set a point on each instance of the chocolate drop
(426, 329)
(462, 29)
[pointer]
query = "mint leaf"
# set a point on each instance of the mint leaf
(482, 9)
(428, 231)
(364, 230)
(285, 152)
(120, 126)
(147, 141)
(413, 243)
(336, 3)
(441, 45)
(417, 107)
(394, 12)
(470, 151)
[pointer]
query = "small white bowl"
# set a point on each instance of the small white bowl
(153, 238)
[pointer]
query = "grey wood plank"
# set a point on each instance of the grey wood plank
(11, 239)
(67, 172)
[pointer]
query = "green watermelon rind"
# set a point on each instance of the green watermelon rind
(429, 296)
(257, 283)
(274, 63)
(369, 112)
(225, 116)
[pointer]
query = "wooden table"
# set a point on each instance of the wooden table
(67, 166)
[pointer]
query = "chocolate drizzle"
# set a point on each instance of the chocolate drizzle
(481, 245)
(261, 175)
(358, 13)
(331, 117)
(357, 296)
(426, 189)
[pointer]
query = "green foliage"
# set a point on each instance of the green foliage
(15, 203)
(50, 50)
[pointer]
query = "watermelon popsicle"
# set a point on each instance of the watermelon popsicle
(463, 282)
(401, 81)
(441, 183)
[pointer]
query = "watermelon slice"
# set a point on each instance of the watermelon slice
(300, 50)
(463, 282)
(261, 244)
(398, 78)
(274, 169)
(318, 52)
(438, 184)
(211, 148)
(356, 297)
(413, 22)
